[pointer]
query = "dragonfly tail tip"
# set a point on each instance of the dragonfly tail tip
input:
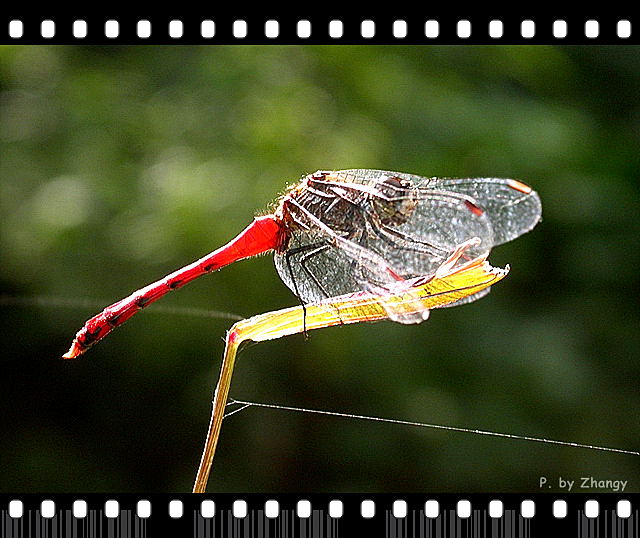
(74, 351)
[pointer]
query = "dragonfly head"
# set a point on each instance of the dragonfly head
(395, 202)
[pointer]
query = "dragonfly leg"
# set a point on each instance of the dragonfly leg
(388, 234)
(459, 252)
(308, 251)
(372, 260)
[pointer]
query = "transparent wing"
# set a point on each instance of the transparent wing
(314, 268)
(382, 250)
(512, 207)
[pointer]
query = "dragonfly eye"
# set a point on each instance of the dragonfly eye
(395, 185)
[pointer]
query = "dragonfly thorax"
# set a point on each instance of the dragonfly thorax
(338, 211)
(345, 204)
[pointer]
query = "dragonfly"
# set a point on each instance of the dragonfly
(353, 246)
(336, 233)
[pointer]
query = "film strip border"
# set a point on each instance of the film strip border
(316, 515)
(424, 30)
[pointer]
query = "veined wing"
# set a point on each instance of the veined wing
(321, 262)
(513, 208)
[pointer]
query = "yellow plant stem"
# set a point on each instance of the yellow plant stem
(417, 295)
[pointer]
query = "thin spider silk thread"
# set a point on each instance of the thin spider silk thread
(246, 405)
(66, 302)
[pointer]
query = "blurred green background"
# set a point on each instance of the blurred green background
(118, 165)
